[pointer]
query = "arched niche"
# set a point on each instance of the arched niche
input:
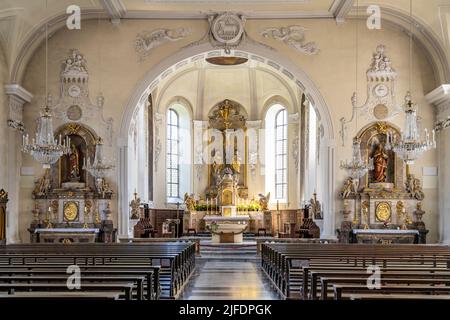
(83, 140)
(373, 140)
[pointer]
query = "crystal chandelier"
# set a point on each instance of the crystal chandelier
(410, 146)
(99, 168)
(357, 167)
(44, 147)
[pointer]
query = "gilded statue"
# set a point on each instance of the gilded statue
(414, 187)
(264, 201)
(43, 184)
(347, 188)
(74, 163)
(236, 164)
(380, 161)
(189, 201)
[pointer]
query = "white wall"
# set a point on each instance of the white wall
(120, 72)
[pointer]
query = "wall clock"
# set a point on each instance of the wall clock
(74, 91)
(381, 90)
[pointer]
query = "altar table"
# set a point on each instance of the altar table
(66, 235)
(385, 236)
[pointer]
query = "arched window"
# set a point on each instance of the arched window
(276, 153)
(281, 154)
(178, 152)
(172, 157)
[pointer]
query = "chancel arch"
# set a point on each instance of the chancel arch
(290, 72)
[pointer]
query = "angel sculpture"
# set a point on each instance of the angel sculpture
(264, 201)
(189, 201)
(347, 189)
(293, 36)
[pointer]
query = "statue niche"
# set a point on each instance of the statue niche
(72, 163)
(387, 168)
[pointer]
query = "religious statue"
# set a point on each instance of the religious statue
(2, 223)
(236, 164)
(400, 212)
(43, 184)
(414, 187)
(189, 201)
(316, 207)
(264, 201)
(347, 189)
(74, 163)
(365, 213)
(419, 212)
(135, 204)
(380, 158)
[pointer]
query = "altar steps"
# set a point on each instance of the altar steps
(239, 251)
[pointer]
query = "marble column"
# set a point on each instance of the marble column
(123, 192)
(440, 98)
(17, 97)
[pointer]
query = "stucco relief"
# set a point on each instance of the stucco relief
(293, 36)
(74, 103)
(146, 41)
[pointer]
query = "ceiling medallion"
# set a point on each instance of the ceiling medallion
(227, 61)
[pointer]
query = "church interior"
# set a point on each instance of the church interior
(224, 150)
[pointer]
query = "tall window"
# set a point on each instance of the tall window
(172, 157)
(281, 154)
(276, 152)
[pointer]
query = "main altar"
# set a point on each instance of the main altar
(226, 211)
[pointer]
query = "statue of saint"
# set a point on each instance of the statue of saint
(74, 163)
(380, 158)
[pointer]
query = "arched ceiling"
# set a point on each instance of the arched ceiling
(251, 84)
(21, 21)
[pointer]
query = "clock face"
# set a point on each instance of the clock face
(381, 90)
(74, 91)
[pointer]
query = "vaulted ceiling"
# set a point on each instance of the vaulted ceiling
(21, 21)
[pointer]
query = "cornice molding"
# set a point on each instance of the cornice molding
(18, 91)
(439, 96)
(340, 9)
(115, 8)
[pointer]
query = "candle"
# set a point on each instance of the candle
(206, 205)
(278, 205)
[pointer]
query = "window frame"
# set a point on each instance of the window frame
(281, 142)
(170, 155)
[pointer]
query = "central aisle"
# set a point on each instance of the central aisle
(228, 272)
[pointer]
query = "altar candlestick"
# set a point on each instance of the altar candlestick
(278, 205)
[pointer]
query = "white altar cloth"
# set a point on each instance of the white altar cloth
(67, 230)
(384, 231)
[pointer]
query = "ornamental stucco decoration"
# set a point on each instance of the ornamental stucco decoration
(293, 36)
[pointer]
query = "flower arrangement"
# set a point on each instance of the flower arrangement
(204, 207)
(252, 206)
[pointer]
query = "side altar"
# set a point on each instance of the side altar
(72, 197)
(385, 205)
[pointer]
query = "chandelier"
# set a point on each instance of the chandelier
(100, 167)
(410, 146)
(357, 167)
(44, 147)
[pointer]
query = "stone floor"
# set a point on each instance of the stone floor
(228, 272)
